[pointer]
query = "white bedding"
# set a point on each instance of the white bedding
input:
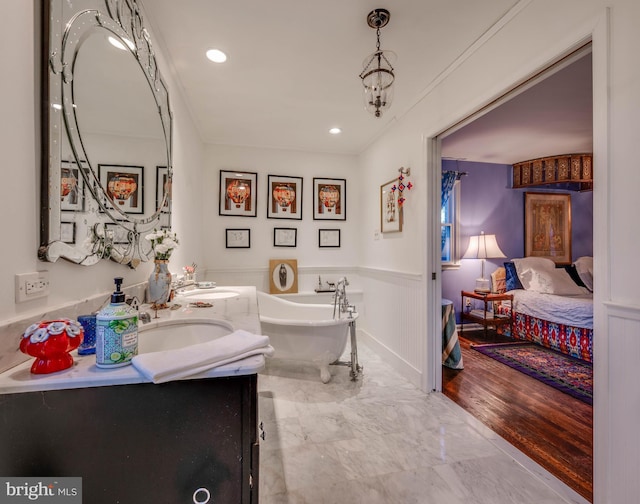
(575, 311)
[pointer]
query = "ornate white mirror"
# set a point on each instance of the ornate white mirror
(106, 128)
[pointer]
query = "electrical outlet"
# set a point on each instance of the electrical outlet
(31, 286)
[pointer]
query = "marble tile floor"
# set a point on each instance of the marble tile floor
(382, 440)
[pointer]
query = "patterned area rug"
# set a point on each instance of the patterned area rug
(570, 375)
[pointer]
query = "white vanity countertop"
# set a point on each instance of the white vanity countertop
(241, 312)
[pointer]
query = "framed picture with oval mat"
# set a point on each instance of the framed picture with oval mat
(283, 276)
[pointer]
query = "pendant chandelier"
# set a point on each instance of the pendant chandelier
(377, 75)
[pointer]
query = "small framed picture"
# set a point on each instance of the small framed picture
(163, 188)
(390, 210)
(117, 232)
(238, 238)
(285, 237)
(284, 197)
(164, 220)
(124, 186)
(238, 192)
(329, 238)
(329, 199)
(68, 232)
(283, 276)
(71, 187)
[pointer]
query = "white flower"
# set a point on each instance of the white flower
(163, 242)
(163, 248)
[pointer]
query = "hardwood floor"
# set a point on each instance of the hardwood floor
(550, 427)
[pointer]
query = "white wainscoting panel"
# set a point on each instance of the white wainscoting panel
(394, 321)
(307, 277)
(623, 342)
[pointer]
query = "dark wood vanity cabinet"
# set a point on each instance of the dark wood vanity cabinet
(139, 443)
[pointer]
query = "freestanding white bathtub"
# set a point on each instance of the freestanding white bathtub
(304, 332)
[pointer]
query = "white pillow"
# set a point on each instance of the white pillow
(537, 263)
(584, 267)
(527, 266)
(556, 281)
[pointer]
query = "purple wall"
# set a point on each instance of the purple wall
(487, 203)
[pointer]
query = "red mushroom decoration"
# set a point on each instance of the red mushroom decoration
(50, 342)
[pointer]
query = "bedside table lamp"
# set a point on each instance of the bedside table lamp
(483, 247)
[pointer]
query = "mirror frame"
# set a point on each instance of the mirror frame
(61, 41)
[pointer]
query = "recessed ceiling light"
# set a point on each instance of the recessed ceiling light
(335, 131)
(216, 55)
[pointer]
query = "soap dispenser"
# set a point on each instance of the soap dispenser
(116, 331)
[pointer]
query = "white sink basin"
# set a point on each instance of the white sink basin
(174, 334)
(208, 294)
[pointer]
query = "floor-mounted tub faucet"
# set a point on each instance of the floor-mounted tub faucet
(340, 299)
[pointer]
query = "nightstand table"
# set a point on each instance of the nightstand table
(485, 317)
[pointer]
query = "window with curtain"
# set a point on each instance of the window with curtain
(449, 219)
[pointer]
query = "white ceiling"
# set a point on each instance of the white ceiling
(551, 117)
(293, 69)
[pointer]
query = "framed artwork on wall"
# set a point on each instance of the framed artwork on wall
(547, 226)
(68, 232)
(238, 238)
(284, 197)
(283, 276)
(238, 193)
(328, 238)
(329, 199)
(117, 232)
(285, 237)
(71, 187)
(124, 186)
(163, 187)
(390, 210)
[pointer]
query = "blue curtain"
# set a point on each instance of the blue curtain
(448, 179)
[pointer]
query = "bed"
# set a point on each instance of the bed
(552, 307)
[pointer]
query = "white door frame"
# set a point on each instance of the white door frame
(604, 462)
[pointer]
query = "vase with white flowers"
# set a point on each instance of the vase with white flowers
(163, 243)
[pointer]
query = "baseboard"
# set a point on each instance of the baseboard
(409, 372)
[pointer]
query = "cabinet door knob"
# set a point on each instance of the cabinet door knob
(201, 496)
(263, 435)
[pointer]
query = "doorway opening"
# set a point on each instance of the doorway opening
(550, 114)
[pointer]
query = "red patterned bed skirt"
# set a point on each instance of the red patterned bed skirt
(574, 341)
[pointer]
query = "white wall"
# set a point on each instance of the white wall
(20, 204)
(251, 265)
(540, 33)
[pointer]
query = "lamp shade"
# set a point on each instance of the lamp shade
(483, 246)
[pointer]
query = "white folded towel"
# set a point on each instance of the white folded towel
(164, 366)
